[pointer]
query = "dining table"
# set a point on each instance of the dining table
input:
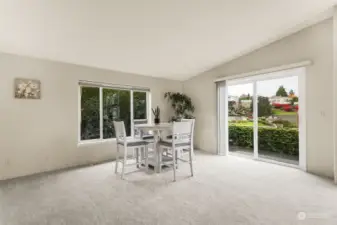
(157, 130)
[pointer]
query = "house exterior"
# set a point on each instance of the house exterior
(279, 100)
(246, 103)
(232, 98)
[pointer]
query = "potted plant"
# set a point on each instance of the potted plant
(156, 113)
(181, 104)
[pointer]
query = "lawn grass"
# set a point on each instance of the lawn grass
(246, 124)
(281, 112)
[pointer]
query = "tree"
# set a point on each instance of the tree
(116, 107)
(264, 107)
(281, 92)
(90, 113)
(294, 99)
(291, 92)
(245, 97)
(139, 105)
(243, 111)
(231, 108)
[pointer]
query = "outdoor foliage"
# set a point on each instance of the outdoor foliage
(139, 105)
(281, 92)
(116, 107)
(263, 120)
(285, 123)
(181, 104)
(264, 107)
(90, 113)
(239, 111)
(280, 140)
(231, 108)
(294, 99)
(245, 97)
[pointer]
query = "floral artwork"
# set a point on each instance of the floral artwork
(27, 89)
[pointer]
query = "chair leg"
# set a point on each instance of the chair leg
(160, 158)
(124, 161)
(117, 160)
(146, 158)
(191, 162)
(179, 155)
(137, 157)
(142, 155)
(174, 164)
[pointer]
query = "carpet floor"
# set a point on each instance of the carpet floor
(225, 190)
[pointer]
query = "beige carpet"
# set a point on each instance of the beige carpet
(225, 190)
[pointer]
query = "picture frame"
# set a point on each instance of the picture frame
(27, 88)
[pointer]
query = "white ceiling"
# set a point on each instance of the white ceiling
(175, 39)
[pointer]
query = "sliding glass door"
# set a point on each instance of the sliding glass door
(240, 118)
(263, 116)
(278, 117)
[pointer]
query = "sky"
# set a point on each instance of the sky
(265, 88)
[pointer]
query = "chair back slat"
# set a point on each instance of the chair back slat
(139, 133)
(120, 130)
(182, 131)
(192, 128)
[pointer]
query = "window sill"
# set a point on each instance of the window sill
(96, 141)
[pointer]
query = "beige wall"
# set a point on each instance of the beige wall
(314, 43)
(41, 135)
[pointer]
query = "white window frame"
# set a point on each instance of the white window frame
(148, 111)
(254, 77)
(114, 87)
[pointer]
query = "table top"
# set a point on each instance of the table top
(155, 126)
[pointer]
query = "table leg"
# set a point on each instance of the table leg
(156, 151)
(158, 158)
(155, 155)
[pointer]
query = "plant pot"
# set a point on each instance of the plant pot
(156, 121)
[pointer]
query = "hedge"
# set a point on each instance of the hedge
(280, 140)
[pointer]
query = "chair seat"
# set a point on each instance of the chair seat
(168, 143)
(133, 142)
(148, 137)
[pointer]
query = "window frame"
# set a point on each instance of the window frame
(147, 106)
(113, 87)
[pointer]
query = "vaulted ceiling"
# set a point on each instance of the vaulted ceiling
(175, 39)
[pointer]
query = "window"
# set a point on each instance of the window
(116, 106)
(139, 105)
(101, 105)
(90, 118)
(139, 109)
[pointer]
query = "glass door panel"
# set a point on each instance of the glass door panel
(277, 111)
(240, 119)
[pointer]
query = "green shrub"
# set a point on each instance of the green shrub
(240, 121)
(280, 140)
(285, 123)
(263, 121)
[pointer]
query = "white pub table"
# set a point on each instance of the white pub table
(157, 129)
